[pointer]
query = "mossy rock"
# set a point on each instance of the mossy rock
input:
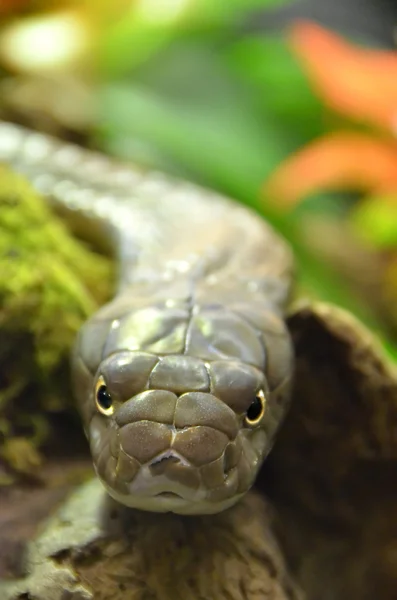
(321, 523)
(50, 283)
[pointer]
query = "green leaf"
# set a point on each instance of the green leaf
(129, 44)
(211, 145)
(375, 221)
(221, 11)
(149, 26)
(190, 108)
(390, 349)
(270, 67)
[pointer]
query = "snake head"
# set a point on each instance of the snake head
(176, 433)
(181, 403)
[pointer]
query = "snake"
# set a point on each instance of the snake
(183, 378)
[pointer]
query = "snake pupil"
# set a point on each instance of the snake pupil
(255, 410)
(104, 398)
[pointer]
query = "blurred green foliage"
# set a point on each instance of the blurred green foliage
(195, 88)
(206, 98)
(375, 220)
(149, 26)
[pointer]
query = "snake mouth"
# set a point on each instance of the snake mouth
(171, 495)
(171, 502)
(170, 482)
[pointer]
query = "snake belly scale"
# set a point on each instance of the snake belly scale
(183, 379)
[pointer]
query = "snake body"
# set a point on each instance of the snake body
(183, 379)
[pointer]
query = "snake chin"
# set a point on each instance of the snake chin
(170, 502)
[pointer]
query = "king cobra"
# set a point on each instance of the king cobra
(183, 379)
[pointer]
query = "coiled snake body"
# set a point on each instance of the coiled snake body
(182, 380)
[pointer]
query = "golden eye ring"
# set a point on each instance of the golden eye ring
(255, 412)
(103, 399)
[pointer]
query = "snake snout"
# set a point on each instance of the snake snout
(176, 452)
(172, 473)
(161, 464)
(175, 434)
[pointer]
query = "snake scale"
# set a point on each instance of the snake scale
(183, 379)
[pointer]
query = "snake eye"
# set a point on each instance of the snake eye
(103, 399)
(256, 410)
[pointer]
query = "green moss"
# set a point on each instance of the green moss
(49, 285)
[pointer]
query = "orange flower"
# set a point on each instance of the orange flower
(337, 161)
(360, 83)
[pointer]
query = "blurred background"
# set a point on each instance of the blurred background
(289, 107)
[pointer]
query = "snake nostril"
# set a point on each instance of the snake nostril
(160, 464)
(224, 464)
